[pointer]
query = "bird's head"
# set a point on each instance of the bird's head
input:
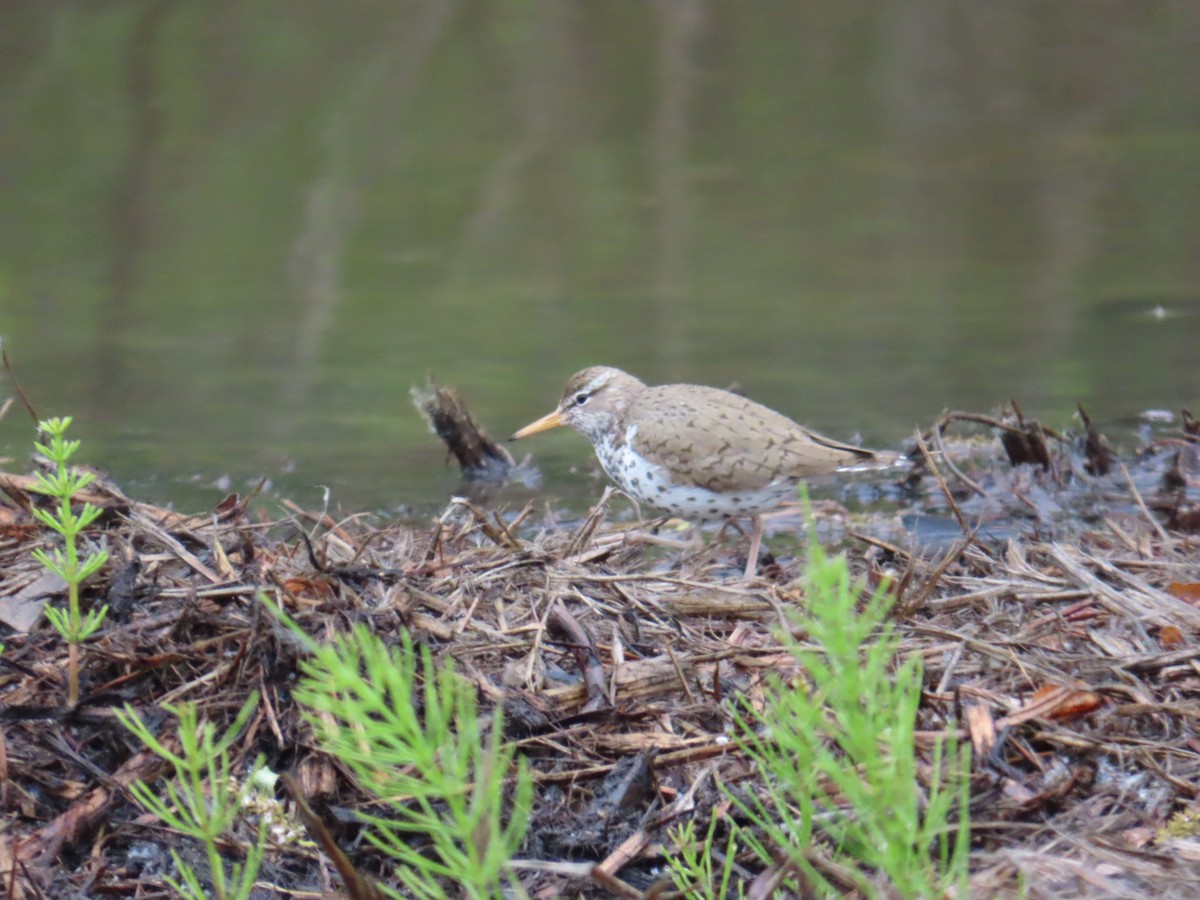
(593, 403)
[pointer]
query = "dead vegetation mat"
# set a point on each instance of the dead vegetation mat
(1068, 656)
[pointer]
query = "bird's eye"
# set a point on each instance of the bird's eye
(581, 399)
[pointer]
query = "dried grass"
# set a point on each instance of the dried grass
(1070, 658)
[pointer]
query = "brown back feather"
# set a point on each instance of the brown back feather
(725, 442)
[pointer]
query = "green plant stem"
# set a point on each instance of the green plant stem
(216, 868)
(72, 674)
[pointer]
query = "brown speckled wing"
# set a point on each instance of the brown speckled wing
(724, 442)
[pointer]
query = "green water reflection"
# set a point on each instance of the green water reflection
(235, 234)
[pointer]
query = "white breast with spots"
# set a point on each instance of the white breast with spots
(653, 485)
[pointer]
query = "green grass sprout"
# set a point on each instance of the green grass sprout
(840, 801)
(693, 865)
(838, 759)
(411, 734)
(203, 800)
(65, 562)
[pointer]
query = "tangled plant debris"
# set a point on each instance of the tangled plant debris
(1055, 611)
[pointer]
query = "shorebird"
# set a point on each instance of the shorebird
(696, 452)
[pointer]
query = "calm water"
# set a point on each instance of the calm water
(233, 235)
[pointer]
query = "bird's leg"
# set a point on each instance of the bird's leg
(700, 548)
(755, 544)
(722, 528)
(637, 507)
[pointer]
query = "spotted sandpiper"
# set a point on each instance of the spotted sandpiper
(696, 452)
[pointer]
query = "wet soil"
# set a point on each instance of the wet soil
(1051, 587)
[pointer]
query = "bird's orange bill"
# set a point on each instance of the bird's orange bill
(545, 423)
